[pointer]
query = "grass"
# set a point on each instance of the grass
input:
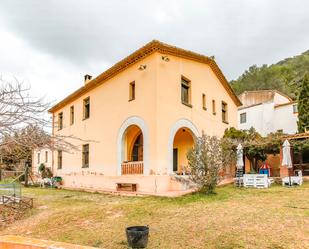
(277, 217)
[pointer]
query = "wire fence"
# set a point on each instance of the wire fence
(10, 189)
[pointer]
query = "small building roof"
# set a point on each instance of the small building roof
(148, 49)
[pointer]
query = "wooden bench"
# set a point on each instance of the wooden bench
(132, 187)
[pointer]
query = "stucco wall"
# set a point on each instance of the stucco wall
(280, 99)
(285, 119)
(267, 118)
(36, 163)
(261, 117)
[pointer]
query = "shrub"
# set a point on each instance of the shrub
(207, 159)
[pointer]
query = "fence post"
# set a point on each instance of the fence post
(26, 175)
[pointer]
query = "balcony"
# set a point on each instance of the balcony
(132, 168)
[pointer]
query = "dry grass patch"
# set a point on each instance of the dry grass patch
(234, 218)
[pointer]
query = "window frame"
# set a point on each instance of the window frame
(204, 101)
(38, 157)
(60, 121)
(72, 114)
(132, 91)
(46, 156)
(214, 107)
(59, 159)
(186, 83)
(244, 114)
(86, 108)
(85, 156)
(295, 108)
(224, 111)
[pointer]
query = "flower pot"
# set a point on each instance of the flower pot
(137, 236)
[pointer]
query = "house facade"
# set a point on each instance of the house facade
(267, 111)
(134, 123)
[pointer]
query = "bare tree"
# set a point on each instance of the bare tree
(22, 123)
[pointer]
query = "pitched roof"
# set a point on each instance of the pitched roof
(285, 104)
(138, 55)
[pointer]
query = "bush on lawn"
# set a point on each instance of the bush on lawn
(207, 159)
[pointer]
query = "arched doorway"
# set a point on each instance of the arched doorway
(133, 144)
(132, 147)
(183, 142)
(175, 128)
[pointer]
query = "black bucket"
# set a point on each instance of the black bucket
(137, 236)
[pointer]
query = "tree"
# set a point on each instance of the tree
(285, 76)
(254, 145)
(206, 160)
(303, 106)
(22, 119)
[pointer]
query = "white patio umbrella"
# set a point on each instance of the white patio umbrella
(240, 160)
(286, 154)
(286, 157)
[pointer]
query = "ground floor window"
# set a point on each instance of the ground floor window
(59, 159)
(85, 159)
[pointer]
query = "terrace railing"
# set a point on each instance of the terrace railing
(132, 168)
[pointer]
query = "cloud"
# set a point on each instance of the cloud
(55, 42)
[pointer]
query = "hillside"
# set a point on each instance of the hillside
(285, 76)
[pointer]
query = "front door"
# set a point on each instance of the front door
(175, 159)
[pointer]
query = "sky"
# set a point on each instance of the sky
(50, 45)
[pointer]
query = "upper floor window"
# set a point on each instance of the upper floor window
(86, 108)
(132, 91)
(39, 155)
(85, 159)
(59, 159)
(46, 156)
(213, 107)
(243, 118)
(204, 101)
(224, 112)
(295, 108)
(60, 120)
(71, 115)
(185, 91)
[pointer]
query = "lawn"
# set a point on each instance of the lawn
(234, 218)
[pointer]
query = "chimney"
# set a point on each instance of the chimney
(87, 78)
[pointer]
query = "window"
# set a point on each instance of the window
(39, 155)
(71, 115)
(243, 118)
(295, 108)
(59, 159)
(46, 156)
(224, 112)
(86, 108)
(213, 107)
(132, 91)
(85, 162)
(186, 91)
(60, 121)
(204, 101)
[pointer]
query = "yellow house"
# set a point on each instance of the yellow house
(139, 119)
